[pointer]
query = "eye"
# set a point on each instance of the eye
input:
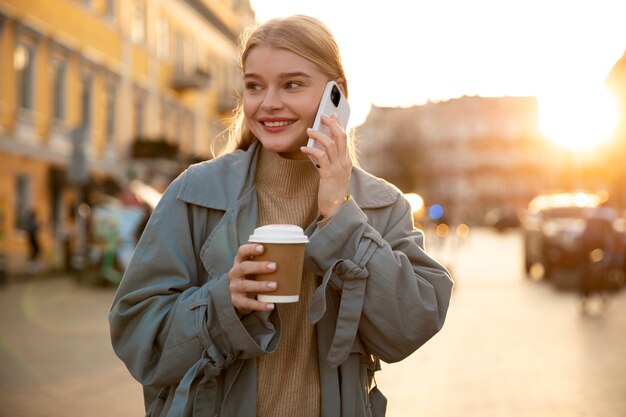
(292, 84)
(252, 86)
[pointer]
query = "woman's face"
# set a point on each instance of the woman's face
(281, 95)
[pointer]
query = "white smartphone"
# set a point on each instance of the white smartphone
(333, 101)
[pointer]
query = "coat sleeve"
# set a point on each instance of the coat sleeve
(393, 295)
(164, 318)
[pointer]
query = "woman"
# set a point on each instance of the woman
(185, 319)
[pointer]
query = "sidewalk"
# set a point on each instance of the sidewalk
(56, 356)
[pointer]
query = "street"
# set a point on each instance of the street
(511, 346)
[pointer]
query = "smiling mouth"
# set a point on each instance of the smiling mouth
(278, 124)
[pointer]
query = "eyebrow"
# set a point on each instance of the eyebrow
(282, 75)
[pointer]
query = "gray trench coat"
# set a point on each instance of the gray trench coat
(173, 324)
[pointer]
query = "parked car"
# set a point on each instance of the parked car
(553, 229)
(502, 218)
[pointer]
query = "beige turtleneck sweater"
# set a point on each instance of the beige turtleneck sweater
(288, 379)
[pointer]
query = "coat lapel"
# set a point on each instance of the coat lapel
(224, 184)
(232, 231)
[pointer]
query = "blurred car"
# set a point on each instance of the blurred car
(502, 218)
(553, 228)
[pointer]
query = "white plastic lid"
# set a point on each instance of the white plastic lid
(278, 233)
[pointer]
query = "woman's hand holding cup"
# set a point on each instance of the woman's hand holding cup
(242, 289)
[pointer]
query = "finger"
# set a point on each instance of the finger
(246, 268)
(243, 293)
(338, 144)
(313, 151)
(247, 286)
(319, 136)
(340, 135)
(320, 155)
(248, 250)
(246, 303)
(340, 138)
(335, 126)
(328, 145)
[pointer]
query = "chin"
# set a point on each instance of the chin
(286, 152)
(281, 145)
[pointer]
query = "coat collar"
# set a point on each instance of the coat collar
(220, 182)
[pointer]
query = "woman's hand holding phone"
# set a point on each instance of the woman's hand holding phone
(328, 149)
(334, 165)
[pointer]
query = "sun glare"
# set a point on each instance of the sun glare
(416, 202)
(578, 122)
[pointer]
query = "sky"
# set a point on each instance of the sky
(402, 53)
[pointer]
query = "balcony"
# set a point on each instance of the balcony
(197, 79)
(154, 148)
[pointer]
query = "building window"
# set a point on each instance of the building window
(188, 132)
(59, 76)
(178, 133)
(186, 58)
(164, 119)
(163, 39)
(191, 56)
(139, 110)
(180, 53)
(23, 193)
(86, 100)
(111, 97)
(138, 25)
(23, 57)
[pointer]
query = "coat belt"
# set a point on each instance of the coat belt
(349, 277)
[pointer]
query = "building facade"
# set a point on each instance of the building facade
(94, 93)
(469, 155)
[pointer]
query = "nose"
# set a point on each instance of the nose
(272, 100)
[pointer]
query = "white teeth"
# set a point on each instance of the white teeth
(277, 124)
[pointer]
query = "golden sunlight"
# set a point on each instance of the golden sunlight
(416, 202)
(581, 122)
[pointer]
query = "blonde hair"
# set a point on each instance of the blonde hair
(303, 35)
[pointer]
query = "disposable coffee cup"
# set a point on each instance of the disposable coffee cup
(284, 245)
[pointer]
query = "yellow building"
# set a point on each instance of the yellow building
(124, 81)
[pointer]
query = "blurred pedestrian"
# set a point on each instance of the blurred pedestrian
(186, 320)
(599, 252)
(32, 230)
